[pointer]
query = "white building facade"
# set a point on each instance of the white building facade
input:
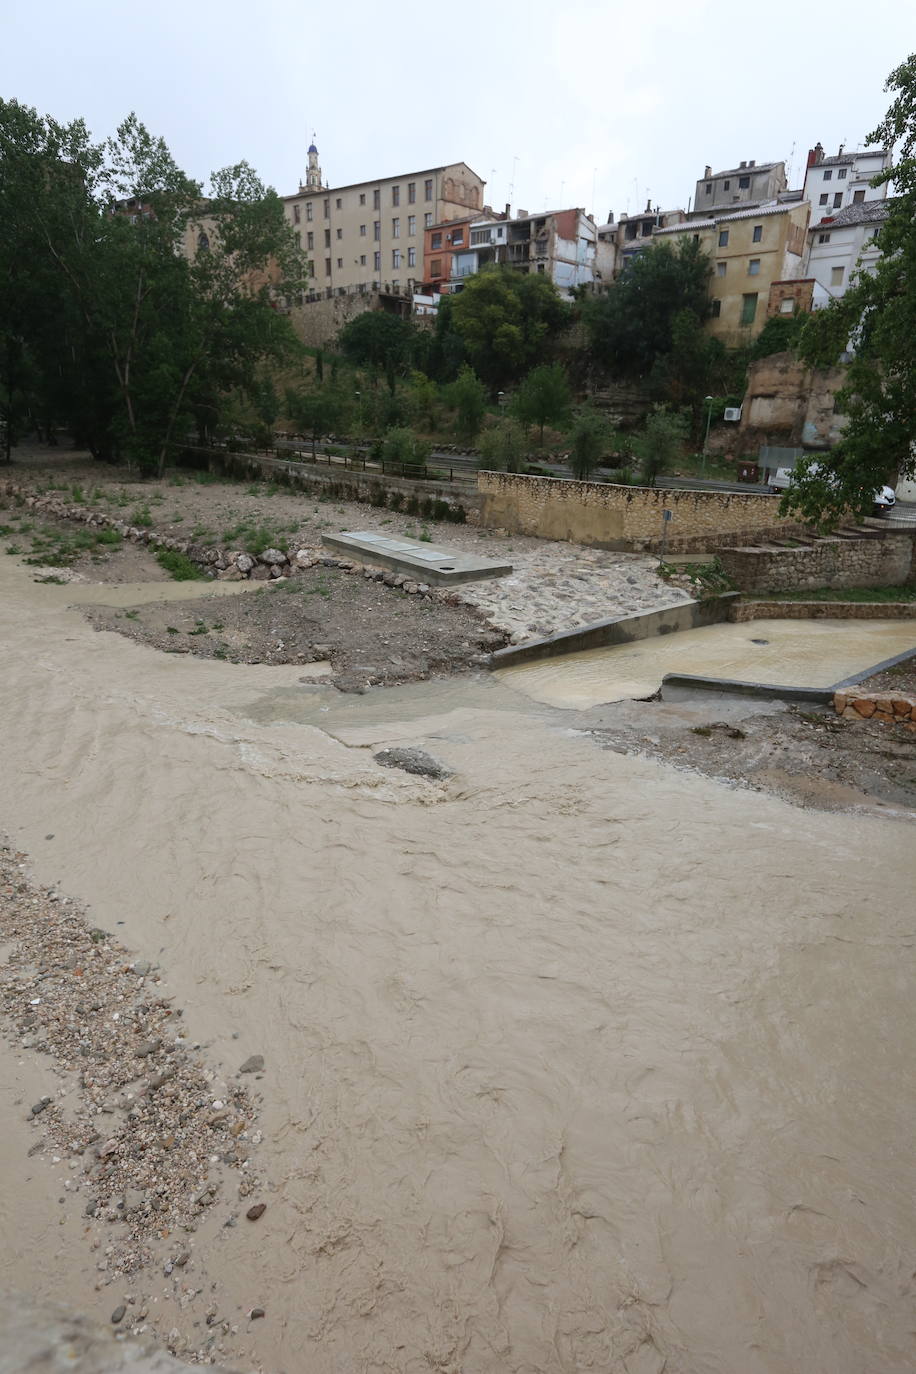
(839, 245)
(833, 183)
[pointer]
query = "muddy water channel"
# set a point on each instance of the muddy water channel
(572, 1061)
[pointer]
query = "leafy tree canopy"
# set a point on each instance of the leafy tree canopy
(876, 318)
(631, 327)
(544, 397)
(507, 320)
(381, 341)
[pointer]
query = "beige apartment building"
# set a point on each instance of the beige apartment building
(750, 250)
(369, 235)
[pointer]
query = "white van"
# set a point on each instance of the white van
(883, 501)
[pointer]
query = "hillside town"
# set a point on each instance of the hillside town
(775, 250)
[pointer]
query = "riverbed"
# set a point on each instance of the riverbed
(572, 1061)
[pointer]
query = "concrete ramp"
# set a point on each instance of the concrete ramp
(430, 563)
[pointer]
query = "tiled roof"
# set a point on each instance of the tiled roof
(742, 171)
(863, 212)
(846, 158)
(756, 212)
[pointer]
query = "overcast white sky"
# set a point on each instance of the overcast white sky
(577, 102)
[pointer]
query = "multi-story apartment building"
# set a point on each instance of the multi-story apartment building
(741, 187)
(833, 183)
(619, 243)
(442, 241)
(751, 249)
(559, 244)
(842, 243)
(370, 234)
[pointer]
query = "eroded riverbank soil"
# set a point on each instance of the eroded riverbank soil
(809, 756)
(370, 634)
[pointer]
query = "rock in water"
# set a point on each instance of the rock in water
(412, 761)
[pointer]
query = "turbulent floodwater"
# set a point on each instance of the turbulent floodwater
(573, 1062)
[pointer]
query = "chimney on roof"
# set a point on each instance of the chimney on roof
(522, 214)
(753, 163)
(742, 164)
(648, 206)
(840, 153)
(708, 171)
(610, 218)
(818, 152)
(508, 210)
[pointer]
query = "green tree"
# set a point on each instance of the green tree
(631, 327)
(386, 343)
(504, 446)
(660, 444)
(401, 445)
(544, 398)
(877, 319)
(507, 320)
(316, 413)
(468, 395)
(590, 440)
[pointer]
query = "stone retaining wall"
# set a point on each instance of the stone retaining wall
(607, 516)
(823, 610)
(884, 560)
(891, 708)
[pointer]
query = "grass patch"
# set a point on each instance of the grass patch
(179, 566)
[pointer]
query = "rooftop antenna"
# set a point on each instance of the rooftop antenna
(791, 175)
(512, 182)
(562, 192)
(594, 175)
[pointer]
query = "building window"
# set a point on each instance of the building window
(339, 203)
(823, 238)
(822, 200)
(721, 269)
(836, 276)
(726, 186)
(327, 267)
(327, 238)
(435, 267)
(743, 183)
(758, 233)
(395, 257)
(709, 188)
(427, 220)
(377, 230)
(376, 199)
(311, 239)
(308, 210)
(748, 308)
(828, 175)
(327, 209)
(340, 233)
(411, 192)
(858, 197)
(395, 195)
(716, 309)
(362, 197)
(458, 238)
(298, 239)
(838, 200)
(296, 214)
(753, 267)
(362, 231)
(436, 241)
(411, 257)
(311, 269)
(377, 262)
(787, 307)
(723, 238)
(340, 262)
(362, 259)
(396, 228)
(411, 225)
(428, 189)
(841, 174)
(696, 238)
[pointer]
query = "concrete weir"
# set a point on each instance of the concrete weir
(430, 563)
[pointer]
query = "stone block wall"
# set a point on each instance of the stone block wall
(888, 708)
(606, 516)
(882, 561)
(742, 611)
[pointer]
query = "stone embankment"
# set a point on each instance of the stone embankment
(890, 708)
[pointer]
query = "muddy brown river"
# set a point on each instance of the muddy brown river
(574, 1062)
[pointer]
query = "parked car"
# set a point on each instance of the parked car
(883, 501)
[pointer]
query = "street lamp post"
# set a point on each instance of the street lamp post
(709, 401)
(500, 399)
(359, 406)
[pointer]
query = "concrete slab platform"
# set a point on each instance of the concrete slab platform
(431, 563)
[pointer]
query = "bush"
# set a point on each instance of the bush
(401, 445)
(589, 441)
(504, 446)
(660, 444)
(179, 566)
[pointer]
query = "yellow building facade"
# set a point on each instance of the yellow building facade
(749, 250)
